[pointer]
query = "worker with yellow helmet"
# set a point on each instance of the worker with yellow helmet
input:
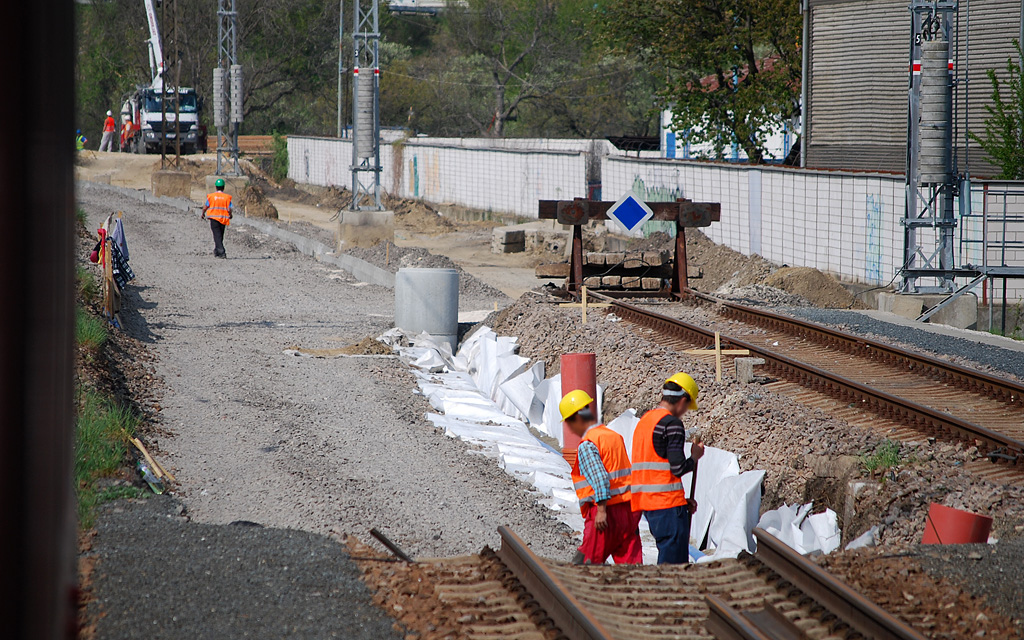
(659, 461)
(601, 476)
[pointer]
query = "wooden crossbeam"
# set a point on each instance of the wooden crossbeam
(583, 304)
(718, 352)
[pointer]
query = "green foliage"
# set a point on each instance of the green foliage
(1004, 128)
(885, 457)
(80, 216)
(102, 430)
(279, 159)
(87, 288)
(731, 69)
(90, 330)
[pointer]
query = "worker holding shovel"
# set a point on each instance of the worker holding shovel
(659, 461)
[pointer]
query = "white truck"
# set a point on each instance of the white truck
(143, 107)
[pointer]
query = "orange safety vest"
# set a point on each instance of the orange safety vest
(220, 207)
(654, 486)
(109, 126)
(613, 454)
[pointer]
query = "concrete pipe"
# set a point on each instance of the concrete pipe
(428, 300)
(579, 371)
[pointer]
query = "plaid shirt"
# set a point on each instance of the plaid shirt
(593, 469)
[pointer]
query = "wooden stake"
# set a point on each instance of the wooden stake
(718, 357)
(584, 304)
(718, 352)
(159, 471)
(387, 253)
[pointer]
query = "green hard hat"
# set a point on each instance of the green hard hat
(219, 182)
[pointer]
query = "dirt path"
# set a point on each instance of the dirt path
(328, 446)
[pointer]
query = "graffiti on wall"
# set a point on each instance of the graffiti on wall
(873, 240)
(656, 194)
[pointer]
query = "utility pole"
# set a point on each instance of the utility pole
(366, 107)
(227, 89)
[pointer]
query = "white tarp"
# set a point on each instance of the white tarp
(801, 530)
(486, 395)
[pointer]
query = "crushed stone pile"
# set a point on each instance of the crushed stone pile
(730, 274)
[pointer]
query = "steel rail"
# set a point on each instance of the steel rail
(881, 402)
(1007, 390)
(835, 595)
(571, 618)
(725, 623)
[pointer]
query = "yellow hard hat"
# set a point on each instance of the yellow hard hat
(689, 385)
(573, 402)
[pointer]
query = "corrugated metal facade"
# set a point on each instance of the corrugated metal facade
(858, 75)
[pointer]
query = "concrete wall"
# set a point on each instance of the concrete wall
(843, 223)
(507, 179)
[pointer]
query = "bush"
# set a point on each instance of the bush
(279, 160)
(86, 283)
(1004, 128)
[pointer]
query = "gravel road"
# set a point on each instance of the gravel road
(164, 577)
(328, 446)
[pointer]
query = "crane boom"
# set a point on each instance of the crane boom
(156, 54)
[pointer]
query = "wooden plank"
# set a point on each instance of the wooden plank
(553, 270)
(689, 214)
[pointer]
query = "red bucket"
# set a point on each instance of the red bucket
(945, 525)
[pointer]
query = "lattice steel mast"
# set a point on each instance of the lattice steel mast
(227, 89)
(366, 112)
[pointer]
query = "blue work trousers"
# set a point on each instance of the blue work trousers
(671, 530)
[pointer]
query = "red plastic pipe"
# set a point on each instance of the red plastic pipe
(579, 371)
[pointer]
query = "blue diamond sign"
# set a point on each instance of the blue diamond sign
(630, 211)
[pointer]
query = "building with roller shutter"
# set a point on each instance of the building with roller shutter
(856, 80)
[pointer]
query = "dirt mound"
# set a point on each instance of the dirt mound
(256, 204)
(417, 216)
(199, 169)
(367, 347)
(820, 289)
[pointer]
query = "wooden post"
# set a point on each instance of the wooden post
(718, 357)
(680, 277)
(576, 260)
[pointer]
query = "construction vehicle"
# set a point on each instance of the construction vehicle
(143, 106)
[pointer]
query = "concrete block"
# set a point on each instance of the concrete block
(556, 270)
(367, 228)
(745, 369)
(631, 282)
(593, 282)
(650, 284)
(592, 258)
(655, 258)
(232, 184)
(634, 261)
(612, 259)
(497, 246)
(611, 281)
(507, 235)
(174, 184)
(962, 313)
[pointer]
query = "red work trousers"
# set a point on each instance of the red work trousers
(620, 539)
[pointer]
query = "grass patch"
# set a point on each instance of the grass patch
(81, 217)
(90, 331)
(86, 283)
(885, 457)
(102, 430)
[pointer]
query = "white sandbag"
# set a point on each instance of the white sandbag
(550, 391)
(867, 539)
(521, 391)
(714, 466)
(797, 528)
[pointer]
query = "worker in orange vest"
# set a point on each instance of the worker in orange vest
(126, 132)
(218, 209)
(659, 461)
(109, 127)
(601, 477)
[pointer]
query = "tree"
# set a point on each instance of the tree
(1004, 128)
(731, 68)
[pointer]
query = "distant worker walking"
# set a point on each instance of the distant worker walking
(601, 476)
(109, 127)
(659, 461)
(218, 209)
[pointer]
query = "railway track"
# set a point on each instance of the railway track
(775, 593)
(925, 394)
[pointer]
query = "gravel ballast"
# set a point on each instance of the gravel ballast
(161, 576)
(988, 356)
(330, 446)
